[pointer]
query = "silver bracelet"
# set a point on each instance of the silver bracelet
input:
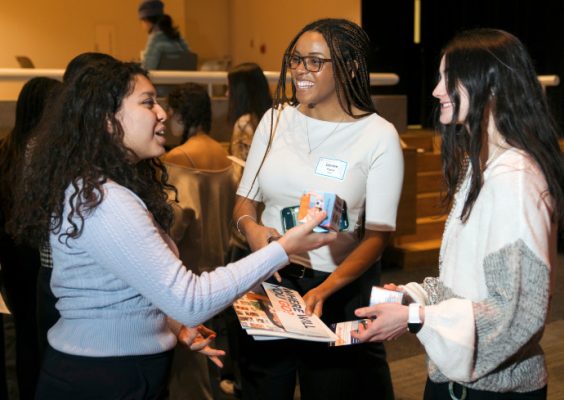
(239, 220)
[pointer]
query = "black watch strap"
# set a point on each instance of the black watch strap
(414, 327)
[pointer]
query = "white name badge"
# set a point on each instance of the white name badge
(331, 168)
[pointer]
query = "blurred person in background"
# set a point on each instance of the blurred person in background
(163, 38)
(248, 99)
(205, 190)
(21, 263)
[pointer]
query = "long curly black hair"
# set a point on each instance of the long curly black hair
(79, 147)
(498, 74)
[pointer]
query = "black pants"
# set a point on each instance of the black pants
(20, 265)
(440, 391)
(269, 368)
(64, 376)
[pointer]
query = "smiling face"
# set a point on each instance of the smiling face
(314, 89)
(142, 120)
(446, 104)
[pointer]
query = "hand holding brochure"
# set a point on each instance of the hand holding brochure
(279, 312)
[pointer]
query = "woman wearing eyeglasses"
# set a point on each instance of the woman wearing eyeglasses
(326, 136)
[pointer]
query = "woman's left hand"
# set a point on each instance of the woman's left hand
(314, 301)
(388, 321)
(199, 339)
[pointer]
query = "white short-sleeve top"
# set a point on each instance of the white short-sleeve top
(360, 161)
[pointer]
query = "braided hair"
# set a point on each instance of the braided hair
(349, 47)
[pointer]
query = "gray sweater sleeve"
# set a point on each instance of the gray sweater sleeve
(509, 323)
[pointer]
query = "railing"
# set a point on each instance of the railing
(209, 77)
(174, 77)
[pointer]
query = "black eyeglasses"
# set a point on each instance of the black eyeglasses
(311, 63)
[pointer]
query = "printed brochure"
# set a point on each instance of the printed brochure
(276, 312)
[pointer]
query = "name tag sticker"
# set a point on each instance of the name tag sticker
(331, 168)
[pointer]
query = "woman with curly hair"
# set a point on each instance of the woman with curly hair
(96, 190)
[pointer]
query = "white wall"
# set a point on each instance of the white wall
(208, 28)
(51, 32)
(261, 30)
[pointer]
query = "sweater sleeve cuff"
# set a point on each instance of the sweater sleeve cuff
(277, 254)
(448, 337)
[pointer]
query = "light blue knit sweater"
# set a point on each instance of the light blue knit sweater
(113, 281)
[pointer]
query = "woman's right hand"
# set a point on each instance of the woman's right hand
(199, 339)
(301, 238)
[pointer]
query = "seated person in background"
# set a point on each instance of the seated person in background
(190, 116)
(205, 191)
(203, 176)
(163, 35)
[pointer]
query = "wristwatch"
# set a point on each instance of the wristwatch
(414, 323)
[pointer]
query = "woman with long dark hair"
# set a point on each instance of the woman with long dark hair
(482, 319)
(325, 135)
(249, 98)
(21, 263)
(95, 188)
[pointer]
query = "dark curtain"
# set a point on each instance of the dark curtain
(539, 25)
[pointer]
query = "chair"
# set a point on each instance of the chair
(185, 61)
(202, 231)
(202, 217)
